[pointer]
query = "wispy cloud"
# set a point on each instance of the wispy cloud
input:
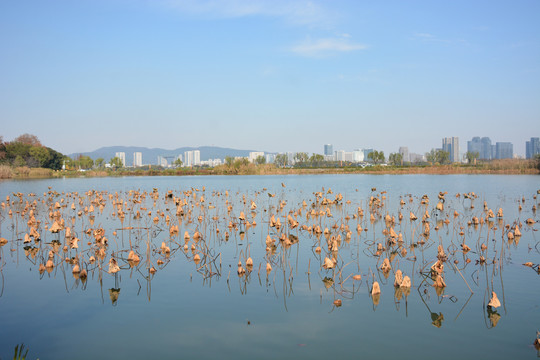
(300, 12)
(326, 46)
(427, 37)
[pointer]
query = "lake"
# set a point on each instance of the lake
(170, 304)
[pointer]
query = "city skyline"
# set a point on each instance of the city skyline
(481, 146)
(269, 75)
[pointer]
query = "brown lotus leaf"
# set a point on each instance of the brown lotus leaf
(133, 257)
(529, 264)
(357, 277)
(406, 283)
(494, 301)
(385, 267)
(55, 228)
(76, 269)
(328, 263)
(375, 289)
(439, 282)
(437, 267)
(268, 267)
(337, 302)
(113, 266)
(398, 278)
(240, 269)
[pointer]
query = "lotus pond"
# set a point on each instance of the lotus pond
(264, 267)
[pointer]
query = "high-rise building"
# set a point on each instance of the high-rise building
(451, 145)
(366, 153)
(137, 159)
(162, 161)
(482, 146)
(488, 150)
(196, 157)
(358, 155)
(339, 155)
(532, 148)
(328, 149)
(188, 158)
(404, 151)
(122, 157)
(475, 145)
(504, 150)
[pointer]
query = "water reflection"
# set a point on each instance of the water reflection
(397, 242)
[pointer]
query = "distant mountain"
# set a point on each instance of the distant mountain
(150, 156)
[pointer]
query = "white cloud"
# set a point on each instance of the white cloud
(300, 12)
(326, 46)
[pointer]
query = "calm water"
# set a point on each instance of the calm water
(205, 311)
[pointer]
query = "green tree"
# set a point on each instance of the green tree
(19, 161)
(395, 159)
(40, 154)
(15, 149)
(85, 162)
(438, 156)
(238, 163)
(443, 157)
(316, 160)
(229, 161)
(377, 157)
(177, 162)
(115, 162)
(2, 149)
(99, 162)
(281, 160)
(260, 160)
(301, 158)
(471, 156)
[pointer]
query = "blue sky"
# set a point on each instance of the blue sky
(269, 75)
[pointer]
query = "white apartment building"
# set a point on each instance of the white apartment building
(137, 159)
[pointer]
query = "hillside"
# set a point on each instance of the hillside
(150, 156)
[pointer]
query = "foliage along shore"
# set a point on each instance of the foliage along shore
(510, 167)
(25, 157)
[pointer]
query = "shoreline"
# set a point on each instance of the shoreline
(484, 169)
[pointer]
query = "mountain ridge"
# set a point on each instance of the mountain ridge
(150, 155)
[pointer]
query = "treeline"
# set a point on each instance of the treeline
(27, 150)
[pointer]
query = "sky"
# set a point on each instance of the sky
(271, 75)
